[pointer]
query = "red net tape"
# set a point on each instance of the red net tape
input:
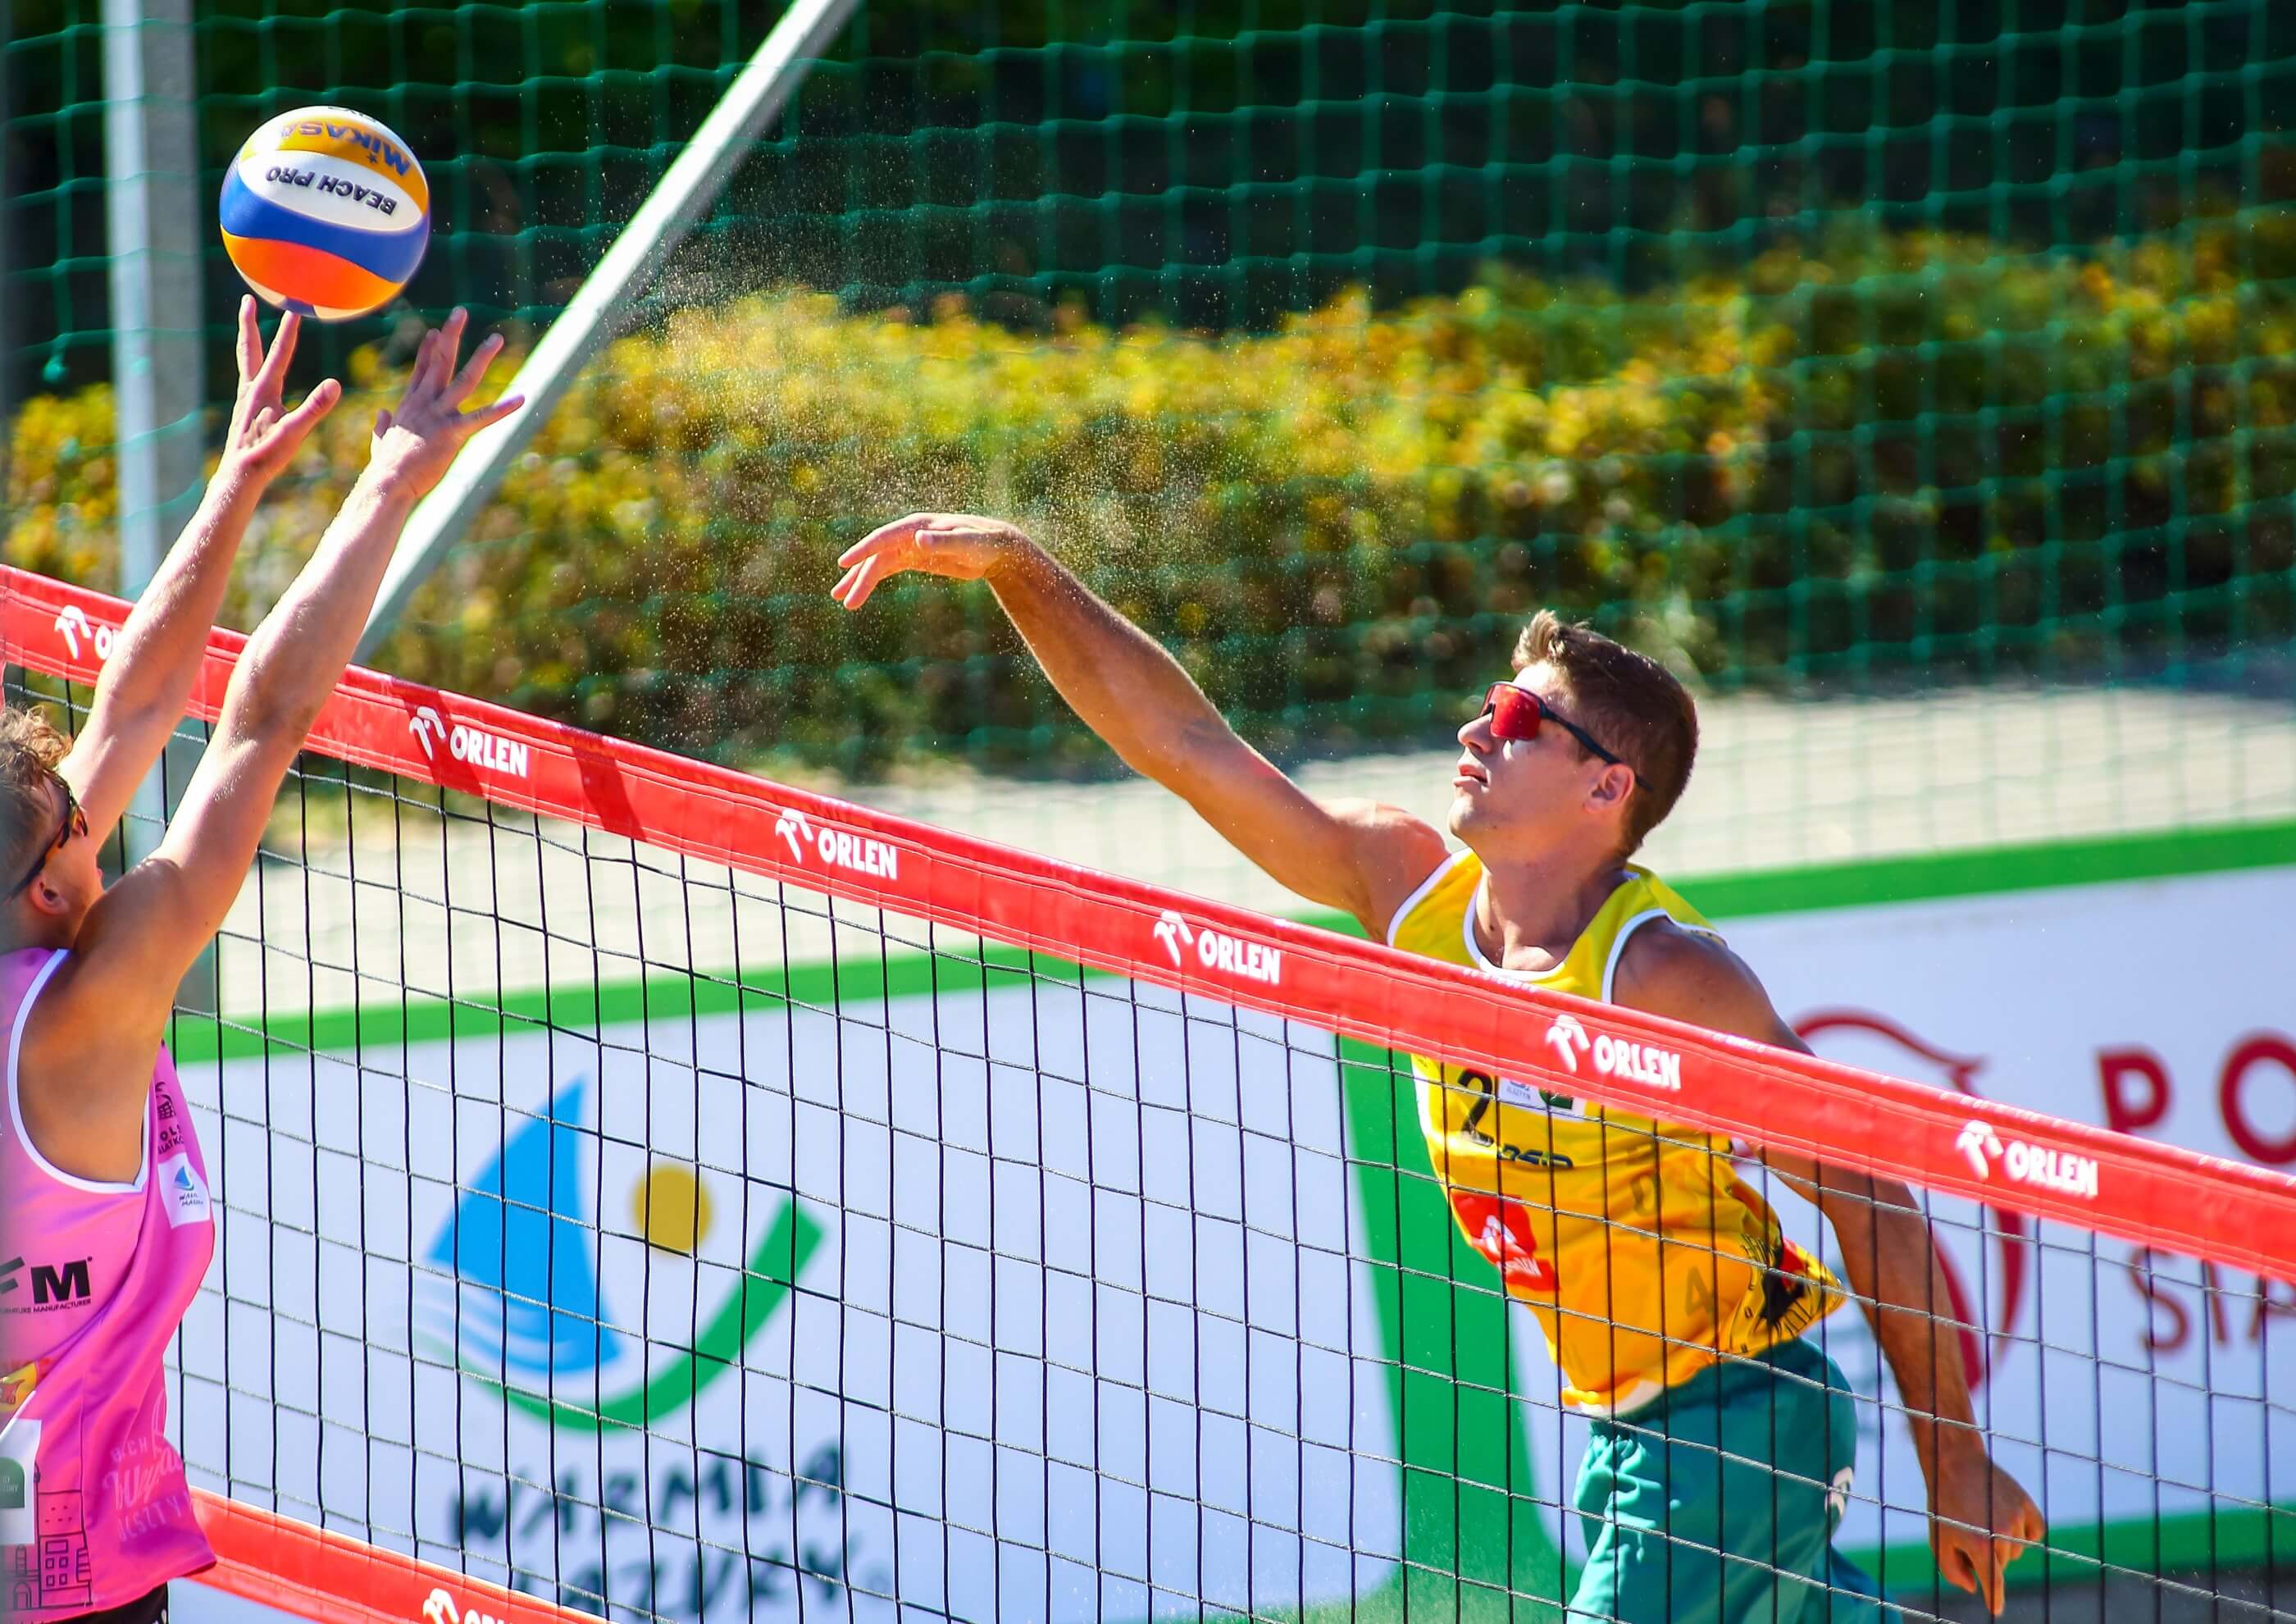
(277, 1562)
(2115, 1183)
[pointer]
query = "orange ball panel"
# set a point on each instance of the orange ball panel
(310, 275)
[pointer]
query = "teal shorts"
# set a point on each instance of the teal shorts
(1718, 1502)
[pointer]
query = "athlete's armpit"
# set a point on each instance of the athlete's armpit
(1360, 857)
(1393, 853)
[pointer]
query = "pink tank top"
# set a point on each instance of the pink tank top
(94, 1278)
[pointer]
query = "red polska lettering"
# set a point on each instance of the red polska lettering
(2256, 1057)
(2127, 1110)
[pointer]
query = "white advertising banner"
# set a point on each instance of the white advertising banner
(705, 1319)
(1037, 1302)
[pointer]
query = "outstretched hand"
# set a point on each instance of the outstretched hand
(417, 441)
(961, 546)
(264, 435)
(1981, 1521)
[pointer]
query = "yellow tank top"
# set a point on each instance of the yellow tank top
(1641, 1252)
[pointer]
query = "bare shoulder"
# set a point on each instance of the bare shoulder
(1690, 976)
(1395, 851)
(104, 1009)
(1664, 958)
(1379, 820)
(84, 1073)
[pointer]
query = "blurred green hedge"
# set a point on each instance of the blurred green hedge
(1880, 458)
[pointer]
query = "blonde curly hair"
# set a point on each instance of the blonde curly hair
(29, 748)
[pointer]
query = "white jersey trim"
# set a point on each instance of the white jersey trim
(1618, 946)
(16, 1105)
(1626, 930)
(1419, 894)
(1482, 960)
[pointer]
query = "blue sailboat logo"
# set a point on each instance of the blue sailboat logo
(510, 1290)
(524, 1251)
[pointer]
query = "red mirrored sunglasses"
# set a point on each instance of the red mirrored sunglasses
(1516, 714)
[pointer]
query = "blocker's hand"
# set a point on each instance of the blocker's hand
(1981, 1521)
(264, 435)
(961, 546)
(416, 442)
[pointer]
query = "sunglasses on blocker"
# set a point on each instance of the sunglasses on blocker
(1517, 714)
(75, 822)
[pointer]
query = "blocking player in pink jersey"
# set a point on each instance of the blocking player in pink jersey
(106, 1217)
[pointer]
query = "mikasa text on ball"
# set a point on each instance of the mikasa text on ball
(326, 212)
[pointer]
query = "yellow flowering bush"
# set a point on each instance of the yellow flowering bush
(1881, 452)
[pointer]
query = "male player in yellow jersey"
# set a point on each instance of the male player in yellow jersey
(1672, 1304)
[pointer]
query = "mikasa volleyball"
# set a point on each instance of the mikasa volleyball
(326, 212)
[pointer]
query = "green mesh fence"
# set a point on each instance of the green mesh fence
(1890, 351)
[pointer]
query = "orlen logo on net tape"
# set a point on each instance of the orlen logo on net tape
(2026, 1164)
(441, 1609)
(1634, 1063)
(465, 743)
(1217, 950)
(74, 626)
(838, 848)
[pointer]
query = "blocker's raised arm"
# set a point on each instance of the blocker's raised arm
(156, 656)
(92, 1038)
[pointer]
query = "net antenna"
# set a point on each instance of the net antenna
(685, 194)
(152, 229)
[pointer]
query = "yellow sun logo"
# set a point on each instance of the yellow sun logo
(671, 1208)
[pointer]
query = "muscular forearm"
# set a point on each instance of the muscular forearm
(157, 651)
(156, 920)
(157, 655)
(1120, 680)
(1358, 857)
(1900, 1280)
(296, 657)
(140, 934)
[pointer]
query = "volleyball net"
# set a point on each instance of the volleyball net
(655, 1193)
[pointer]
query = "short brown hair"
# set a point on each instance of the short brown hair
(1632, 704)
(29, 748)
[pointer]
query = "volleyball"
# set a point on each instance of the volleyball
(326, 212)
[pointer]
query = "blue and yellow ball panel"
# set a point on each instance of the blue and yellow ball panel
(326, 212)
(332, 131)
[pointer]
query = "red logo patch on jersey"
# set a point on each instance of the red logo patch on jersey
(1500, 1229)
